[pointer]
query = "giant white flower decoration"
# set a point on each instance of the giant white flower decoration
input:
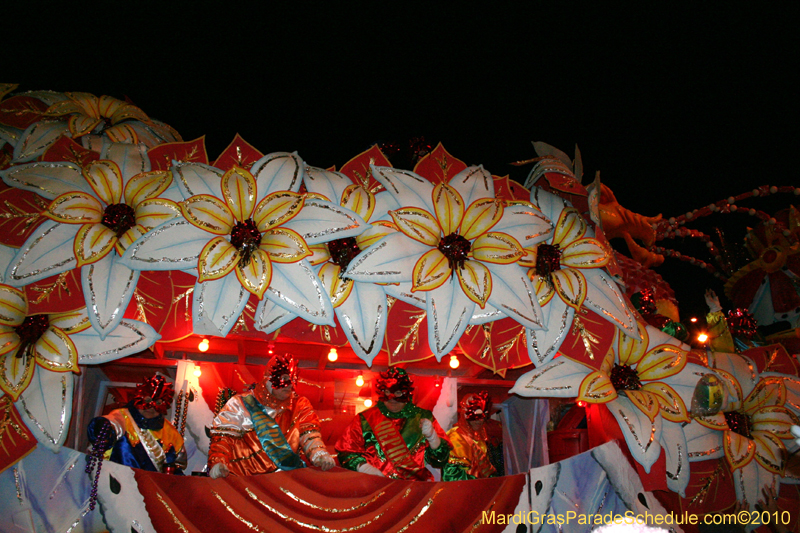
(459, 246)
(91, 119)
(40, 353)
(96, 212)
(246, 232)
(646, 385)
(567, 273)
(362, 308)
(752, 431)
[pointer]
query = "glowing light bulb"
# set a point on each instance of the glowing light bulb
(197, 372)
(454, 362)
(581, 403)
(332, 355)
(367, 402)
(360, 380)
(203, 346)
(693, 319)
(702, 337)
(270, 349)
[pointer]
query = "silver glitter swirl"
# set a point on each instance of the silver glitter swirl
(87, 358)
(93, 297)
(55, 266)
(41, 428)
(154, 233)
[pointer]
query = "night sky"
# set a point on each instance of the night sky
(677, 107)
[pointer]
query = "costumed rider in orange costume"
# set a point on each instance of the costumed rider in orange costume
(395, 438)
(268, 429)
(138, 435)
(471, 457)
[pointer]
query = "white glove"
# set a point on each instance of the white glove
(712, 301)
(796, 432)
(218, 470)
(366, 468)
(323, 460)
(426, 427)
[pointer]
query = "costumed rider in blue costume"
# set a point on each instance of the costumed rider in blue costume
(138, 435)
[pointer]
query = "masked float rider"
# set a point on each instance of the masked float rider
(395, 438)
(138, 435)
(472, 440)
(268, 429)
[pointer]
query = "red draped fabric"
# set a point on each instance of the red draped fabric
(340, 500)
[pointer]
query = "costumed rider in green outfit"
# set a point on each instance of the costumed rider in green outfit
(395, 438)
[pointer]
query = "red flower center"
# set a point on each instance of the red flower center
(624, 377)
(343, 251)
(119, 218)
(30, 331)
(245, 237)
(548, 259)
(739, 423)
(455, 248)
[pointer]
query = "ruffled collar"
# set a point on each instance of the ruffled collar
(407, 411)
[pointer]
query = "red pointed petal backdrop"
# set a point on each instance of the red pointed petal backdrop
(773, 358)
(20, 215)
(57, 294)
(164, 300)
(357, 169)
(239, 153)
(784, 293)
(589, 339)
(16, 440)
(341, 500)
(161, 156)
(21, 111)
(439, 165)
(406, 334)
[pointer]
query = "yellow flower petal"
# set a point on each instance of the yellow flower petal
(128, 238)
(570, 227)
(75, 208)
(80, 125)
(15, 373)
(154, 211)
(256, 275)
(92, 243)
(430, 271)
(771, 453)
(570, 285)
(71, 322)
(645, 401)
(716, 421)
(208, 213)
(670, 403)
(65, 107)
(13, 306)
(56, 352)
(108, 105)
(449, 207)
(739, 451)
(417, 224)
(596, 388)
(497, 248)
(319, 254)
(217, 259)
(480, 217)
(775, 419)
(122, 133)
(338, 289)
(585, 253)
(476, 282)
(146, 185)
(377, 231)
(239, 192)
(284, 245)
(528, 260)
(543, 286)
(661, 362)
(88, 104)
(105, 178)
(276, 209)
(629, 350)
(9, 340)
(359, 200)
(767, 392)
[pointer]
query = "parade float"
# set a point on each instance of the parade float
(126, 250)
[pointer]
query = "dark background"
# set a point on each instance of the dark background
(677, 105)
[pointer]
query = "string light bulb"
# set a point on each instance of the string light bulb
(367, 402)
(197, 372)
(693, 320)
(454, 362)
(270, 349)
(332, 355)
(360, 380)
(203, 346)
(702, 338)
